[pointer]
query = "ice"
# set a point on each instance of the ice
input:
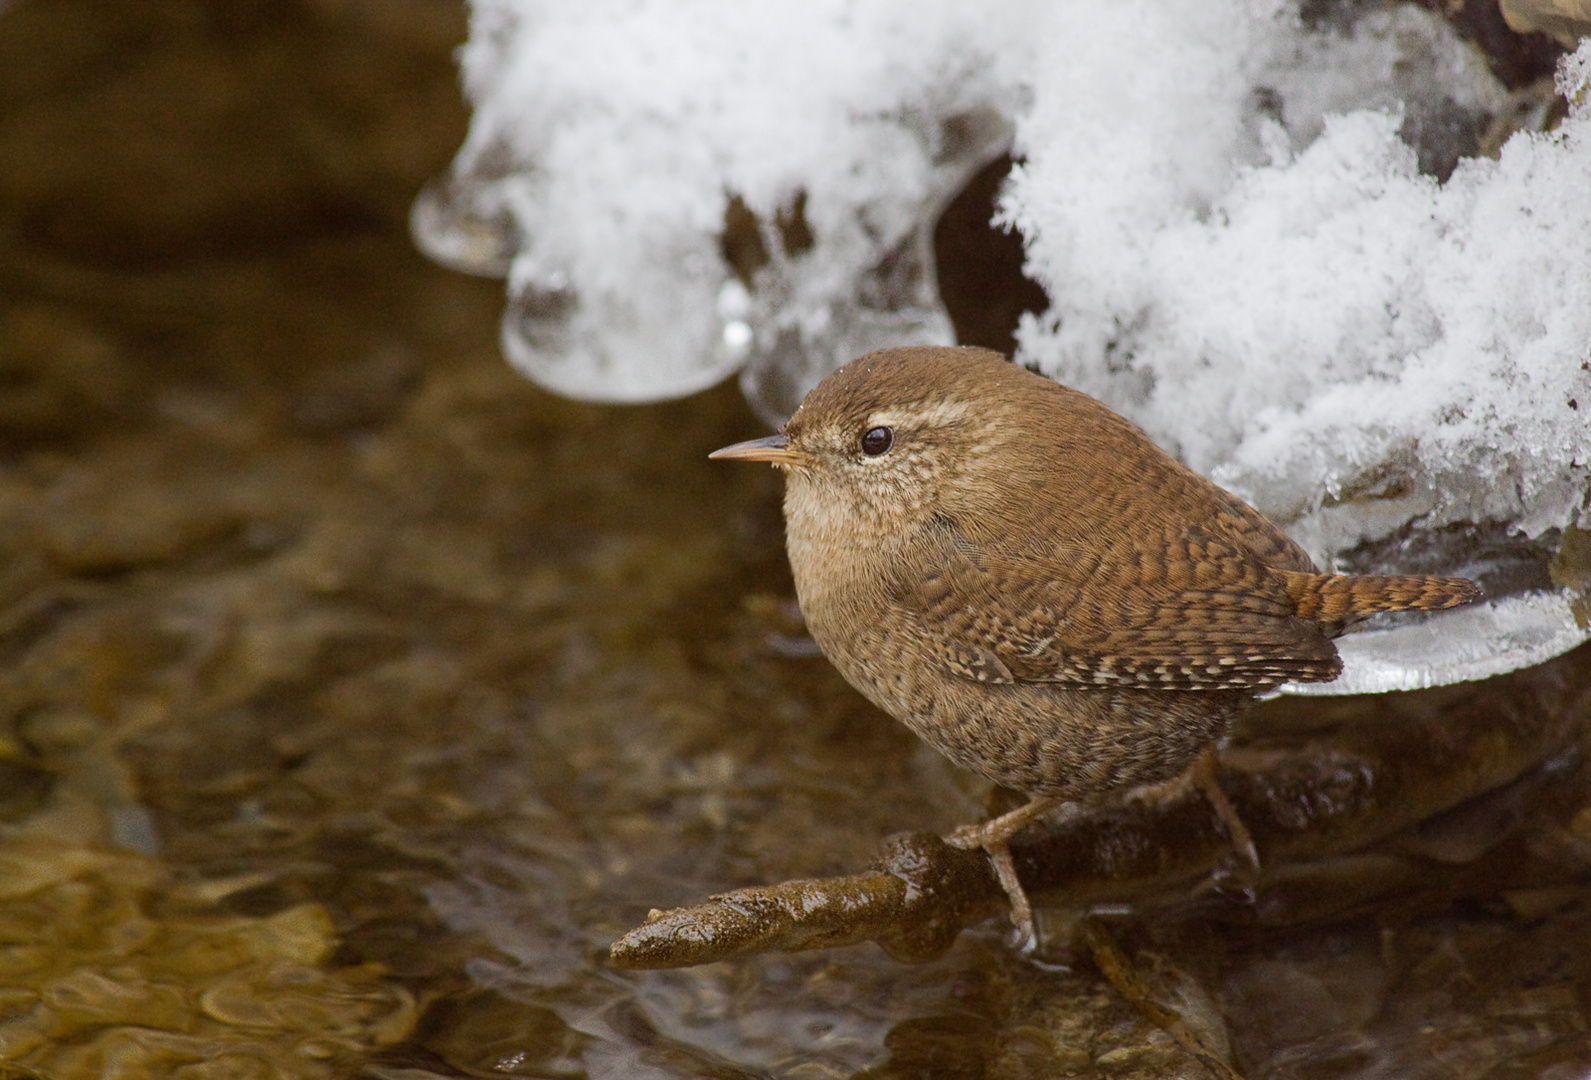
(1329, 261)
(609, 139)
(1472, 643)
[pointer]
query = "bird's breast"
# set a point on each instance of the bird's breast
(843, 572)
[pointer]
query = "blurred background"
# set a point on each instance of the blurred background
(355, 693)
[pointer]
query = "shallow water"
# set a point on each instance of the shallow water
(355, 694)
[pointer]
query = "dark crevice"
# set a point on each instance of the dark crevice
(744, 245)
(1516, 59)
(795, 234)
(741, 242)
(980, 265)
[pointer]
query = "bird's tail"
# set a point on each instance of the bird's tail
(1339, 599)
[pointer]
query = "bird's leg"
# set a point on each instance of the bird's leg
(994, 837)
(1204, 777)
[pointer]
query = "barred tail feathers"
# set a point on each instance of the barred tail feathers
(1334, 598)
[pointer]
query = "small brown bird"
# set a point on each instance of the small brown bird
(1027, 582)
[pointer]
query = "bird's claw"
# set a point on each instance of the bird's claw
(994, 837)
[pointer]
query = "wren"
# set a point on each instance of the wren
(1035, 588)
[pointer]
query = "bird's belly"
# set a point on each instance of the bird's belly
(1065, 740)
(1071, 742)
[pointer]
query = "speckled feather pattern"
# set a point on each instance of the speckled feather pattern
(1034, 587)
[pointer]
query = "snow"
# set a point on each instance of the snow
(1335, 313)
(1258, 238)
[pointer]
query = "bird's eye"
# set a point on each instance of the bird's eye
(877, 440)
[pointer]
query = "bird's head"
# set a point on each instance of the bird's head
(885, 442)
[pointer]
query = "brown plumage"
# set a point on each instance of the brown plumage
(1026, 581)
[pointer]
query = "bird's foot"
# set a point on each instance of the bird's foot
(994, 837)
(1204, 775)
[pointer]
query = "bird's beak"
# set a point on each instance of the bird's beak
(774, 448)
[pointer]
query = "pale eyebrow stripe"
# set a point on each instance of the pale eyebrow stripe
(940, 412)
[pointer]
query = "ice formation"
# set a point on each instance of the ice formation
(610, 139)
(1274, 242)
